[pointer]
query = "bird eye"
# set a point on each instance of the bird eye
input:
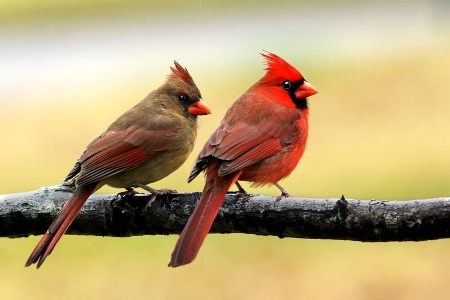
(286, 85)
(183, 97)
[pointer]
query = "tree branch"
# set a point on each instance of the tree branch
(31, 213)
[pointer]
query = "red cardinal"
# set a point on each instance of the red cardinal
(144, 145)
(261, 139)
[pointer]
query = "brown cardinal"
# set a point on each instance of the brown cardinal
(261, 139)
(144, 145)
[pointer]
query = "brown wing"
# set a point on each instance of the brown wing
(118, 151)
(247, 136)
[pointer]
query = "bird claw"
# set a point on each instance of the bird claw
(284, 194)
(154, 193)
(165, 191)
(149, 203)
(129, 192)
(243, 196)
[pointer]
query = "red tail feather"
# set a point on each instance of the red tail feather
(60, 225)
(201, 220)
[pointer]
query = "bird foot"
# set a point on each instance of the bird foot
(129, 192)
(284, 193)
(242, 194)
(154, 193)
(149, 203)
(166, 191)
(158, 192)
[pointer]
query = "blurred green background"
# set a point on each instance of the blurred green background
(379, 129)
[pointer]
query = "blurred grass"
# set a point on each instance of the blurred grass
(379, 129)
(29, 11)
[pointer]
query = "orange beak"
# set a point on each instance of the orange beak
(199, 108)
(305, 90)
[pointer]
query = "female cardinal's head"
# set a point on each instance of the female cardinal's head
(182, 90)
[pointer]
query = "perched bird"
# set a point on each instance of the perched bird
(144, 145)
(261, 139)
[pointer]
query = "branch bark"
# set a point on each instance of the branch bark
(31, 213)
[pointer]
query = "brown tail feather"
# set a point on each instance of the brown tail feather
(60, 225)
(201, 220)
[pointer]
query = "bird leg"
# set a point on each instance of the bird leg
(154, 193)
(284, 193)
(242, 193)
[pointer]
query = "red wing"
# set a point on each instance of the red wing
(243, 144)
(248, 135)
(115, 152)
(254, 155)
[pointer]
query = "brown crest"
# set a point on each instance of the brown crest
(181, 73)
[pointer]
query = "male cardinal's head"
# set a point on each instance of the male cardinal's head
(285, 80)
